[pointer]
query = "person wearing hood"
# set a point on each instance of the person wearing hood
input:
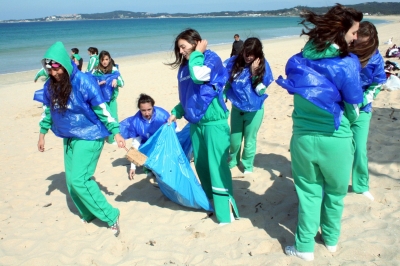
(324, 79)
(201, 78)
(75, 111)
(249, 77)
(143, 124)
(373, 76)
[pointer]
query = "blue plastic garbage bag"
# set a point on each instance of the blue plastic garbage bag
(185, 141)
(175, 177)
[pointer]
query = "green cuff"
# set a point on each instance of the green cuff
(44, 130)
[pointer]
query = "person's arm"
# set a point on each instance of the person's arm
(135, 144)
(42, 72)
(199, 72)
(45, 124)
(103, 113)
(370, 94)
(90, 65)
(351, 112)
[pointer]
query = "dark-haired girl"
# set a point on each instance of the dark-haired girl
(143, 124)
(372, 77)
(324, 79)
(201, 78)
(249, 77)
(110, 80)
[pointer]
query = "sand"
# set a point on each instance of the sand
(39, 224)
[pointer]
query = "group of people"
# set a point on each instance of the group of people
(333, 79)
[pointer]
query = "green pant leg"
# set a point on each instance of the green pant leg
(360, 175)
(201, 158)
(308, 181)
(114, 113)
(252, 123)
(335, 160)
(84, 212)
(85, 155)
(217, 140)
(237, 128)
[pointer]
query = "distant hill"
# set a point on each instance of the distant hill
(371, 8)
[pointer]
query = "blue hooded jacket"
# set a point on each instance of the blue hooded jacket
(242, 94)
(79, 120)
(195, 98)
(106, 88)
(137, 125)
(325, 82)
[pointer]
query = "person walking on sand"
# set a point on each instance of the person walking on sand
(76, 112)
(201, 78)
(373, 76)
(325, 81)
(249, 77)
(237, 45)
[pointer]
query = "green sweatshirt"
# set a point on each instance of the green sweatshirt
(93, 63)
(311, 119)
(199, 74)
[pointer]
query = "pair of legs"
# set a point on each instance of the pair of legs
(360, 175)
(210, 147)
(244, 125)
(321, 168)
(80, 161)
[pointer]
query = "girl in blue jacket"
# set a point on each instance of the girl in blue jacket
(372, 77)
(75, 111)
(324, 79)
(249, 77)
(143, 124)
(201, 78)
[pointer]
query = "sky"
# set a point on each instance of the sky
(28, 9)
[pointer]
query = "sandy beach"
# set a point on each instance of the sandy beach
(39, 224)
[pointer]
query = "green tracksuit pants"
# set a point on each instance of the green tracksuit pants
(210, 148)
(321, 167)
(360, 175)
(113, 106)
(80, 161)
(244, 125)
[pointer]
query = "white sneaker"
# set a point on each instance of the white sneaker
(247, 172)
(331, 248)
(368, 195)
(291, 251)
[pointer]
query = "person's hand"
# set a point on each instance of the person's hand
(102, 82)
(120, 140)
(131, 174)
(114, 83)
(201, 46)
(254, 66)
(171, 119)
(41, 142)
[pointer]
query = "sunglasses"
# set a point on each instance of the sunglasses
(51, 64)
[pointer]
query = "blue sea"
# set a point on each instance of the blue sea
(22, 45)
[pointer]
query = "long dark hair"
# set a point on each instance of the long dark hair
(366, 49)
(251, 46)
(59, 92)
(108, 69)
(330, 27)
(189, 35)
